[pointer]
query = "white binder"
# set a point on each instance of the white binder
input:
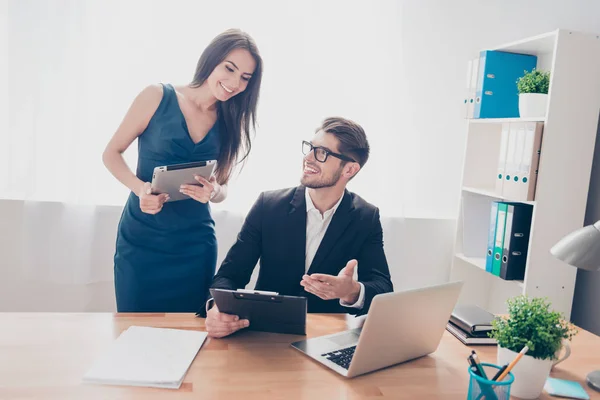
(532, 145)
(516, 175)
(467, 89)
(512, 163)
(500, 173)
(472, 86)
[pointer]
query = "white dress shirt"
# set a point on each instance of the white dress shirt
(316, 226)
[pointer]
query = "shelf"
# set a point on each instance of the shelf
(562, 184)
(479, 262)
(483, 192)
(535, 45)
(491, 193)
(501, 120)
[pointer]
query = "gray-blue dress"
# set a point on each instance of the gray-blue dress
(165, 262)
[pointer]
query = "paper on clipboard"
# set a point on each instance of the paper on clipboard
(257, 292)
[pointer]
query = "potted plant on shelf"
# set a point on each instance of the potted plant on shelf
(531, 323)
(533, 93)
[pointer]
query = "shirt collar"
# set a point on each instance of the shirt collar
(311, 206)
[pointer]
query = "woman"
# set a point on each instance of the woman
(166, 252)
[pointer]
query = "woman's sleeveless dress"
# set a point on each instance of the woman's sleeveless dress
(165, 262)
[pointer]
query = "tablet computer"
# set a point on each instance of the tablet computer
(266, 311)
(169, 178)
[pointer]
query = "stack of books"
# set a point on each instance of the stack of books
(471, 325)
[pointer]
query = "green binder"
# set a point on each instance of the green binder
(499, 239)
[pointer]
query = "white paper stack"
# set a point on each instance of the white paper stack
(144, 356)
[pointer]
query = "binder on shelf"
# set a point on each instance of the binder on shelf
(514, 156)
(472, 76)
(511, 164)
(496, 94)
(489, 257)
(502, 159)
(518, 160)
(524, 189)
(499, 238)
(468, 89)
(516, 241)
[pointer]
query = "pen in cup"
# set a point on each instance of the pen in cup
(473, 365)
(487, 391)
(478, 365)
(500, 371)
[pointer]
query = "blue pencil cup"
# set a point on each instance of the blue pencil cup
(480, 389)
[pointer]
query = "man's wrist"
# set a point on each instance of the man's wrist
(353, 296)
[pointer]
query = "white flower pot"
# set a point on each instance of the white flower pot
(532, 105)
(530, 373)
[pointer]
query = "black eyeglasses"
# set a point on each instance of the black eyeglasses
(321, 153)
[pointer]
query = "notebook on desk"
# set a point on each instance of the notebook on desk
(469, 339)
(145, 356)
(472, 319)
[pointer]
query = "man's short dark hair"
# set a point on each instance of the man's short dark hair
(352, 137)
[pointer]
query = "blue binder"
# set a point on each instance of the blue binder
(497, 95)
(489, 258)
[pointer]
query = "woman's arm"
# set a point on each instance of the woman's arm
(134, 123)
(220, 193)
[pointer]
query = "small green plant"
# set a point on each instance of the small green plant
(534, 82)
(531, 323)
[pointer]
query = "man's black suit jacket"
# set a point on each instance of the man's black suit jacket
(275, 232)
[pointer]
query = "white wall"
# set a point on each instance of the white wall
(76, 66)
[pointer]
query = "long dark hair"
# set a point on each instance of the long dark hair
(238, 113)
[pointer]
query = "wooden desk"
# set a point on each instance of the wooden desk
(44, 356)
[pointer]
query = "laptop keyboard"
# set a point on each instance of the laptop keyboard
(341, 357)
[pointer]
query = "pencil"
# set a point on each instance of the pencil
(513, 363)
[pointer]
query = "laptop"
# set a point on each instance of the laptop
(399, 327)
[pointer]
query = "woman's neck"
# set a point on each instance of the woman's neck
(201, 97)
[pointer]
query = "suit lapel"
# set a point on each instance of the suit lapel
(339, 222)
(296, 223)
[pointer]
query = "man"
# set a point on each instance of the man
(312, 238)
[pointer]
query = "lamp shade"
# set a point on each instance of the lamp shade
(580, 248)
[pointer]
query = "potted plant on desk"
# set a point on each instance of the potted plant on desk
(531, 323)
(533, 93)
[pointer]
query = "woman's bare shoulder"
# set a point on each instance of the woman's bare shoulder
(151, 94)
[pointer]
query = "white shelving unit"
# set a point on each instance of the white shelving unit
(570, 128)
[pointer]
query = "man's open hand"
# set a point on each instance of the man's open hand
(328, 287)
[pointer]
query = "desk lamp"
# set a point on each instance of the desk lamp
(581, 249)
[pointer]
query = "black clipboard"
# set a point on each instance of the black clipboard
(266, 312)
